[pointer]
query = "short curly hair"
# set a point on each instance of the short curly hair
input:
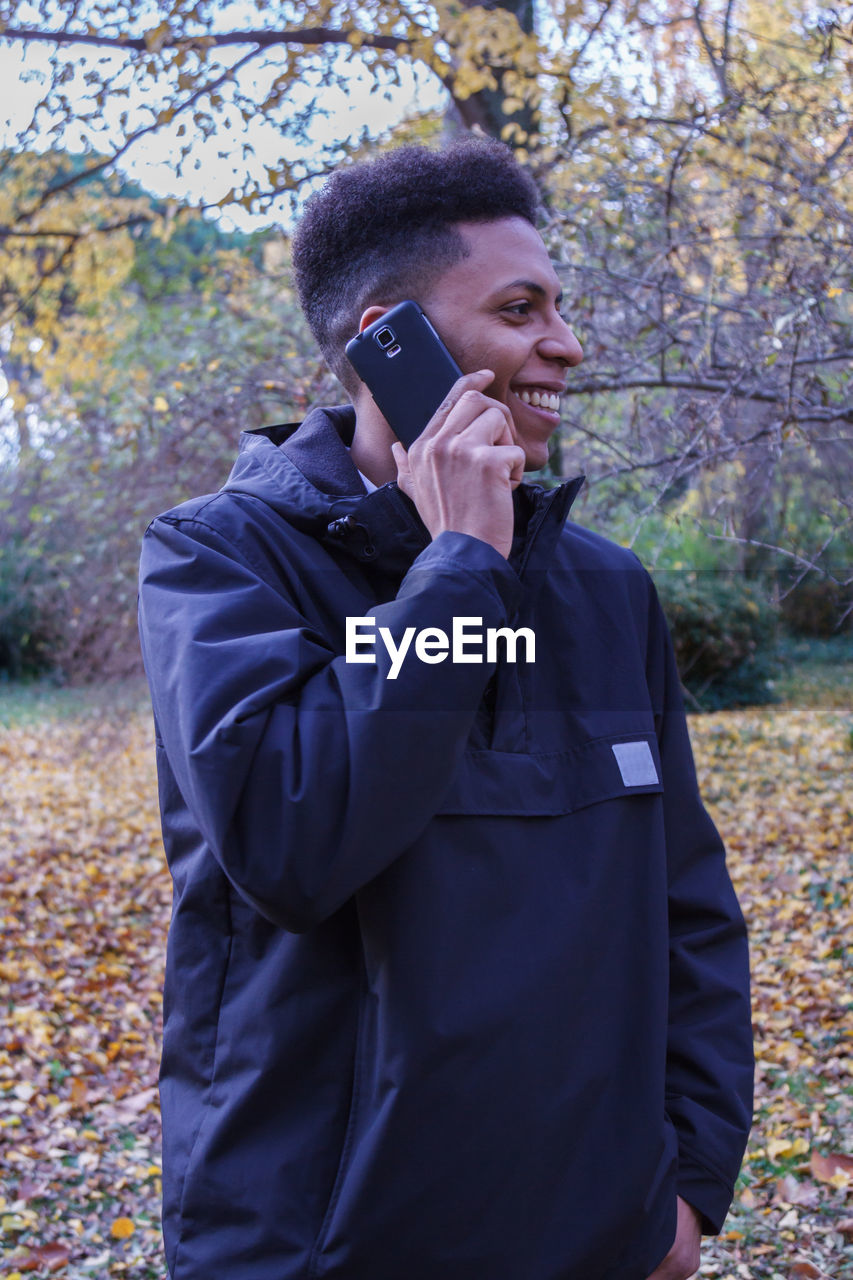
(385, 230)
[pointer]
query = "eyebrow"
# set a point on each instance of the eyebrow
(533, 287)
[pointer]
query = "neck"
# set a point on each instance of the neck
(371, 443)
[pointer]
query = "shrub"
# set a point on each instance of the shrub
(26, 625)
(724, 632)
(818, 606)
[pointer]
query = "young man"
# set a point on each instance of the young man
(457, 983)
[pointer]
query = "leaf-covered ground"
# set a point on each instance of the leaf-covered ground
(84, 903)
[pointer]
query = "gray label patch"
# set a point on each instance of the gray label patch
(636, 764)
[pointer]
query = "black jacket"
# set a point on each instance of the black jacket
(457, 982)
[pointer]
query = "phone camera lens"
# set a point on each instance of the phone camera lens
(385, 337)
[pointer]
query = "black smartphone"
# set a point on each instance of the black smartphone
(405, 366)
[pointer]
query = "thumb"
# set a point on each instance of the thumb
(401, 458)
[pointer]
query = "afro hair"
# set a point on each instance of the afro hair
(385, 230)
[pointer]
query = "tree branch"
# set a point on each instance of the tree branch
(718, 68)
(45, 233)
(591, 386)
(260, 38)
(75, 179)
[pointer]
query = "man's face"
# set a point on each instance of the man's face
(498, 309)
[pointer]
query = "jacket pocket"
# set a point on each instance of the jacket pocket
(555, 782)
(349, 1134)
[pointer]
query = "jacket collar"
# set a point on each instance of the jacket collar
(384, 525)
(319, 447)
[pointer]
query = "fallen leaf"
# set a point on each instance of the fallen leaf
(85, 902)
(122, 1229)
(79, 1092)
(790, 1191)
(49, 1257)
(827, 1168)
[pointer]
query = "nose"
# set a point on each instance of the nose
(574, 348)
(561, 343)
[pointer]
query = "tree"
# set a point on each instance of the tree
(134, 422)
(697, 165)
(709, 253)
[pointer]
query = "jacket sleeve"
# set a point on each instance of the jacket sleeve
(306, 774)
(709, 1042)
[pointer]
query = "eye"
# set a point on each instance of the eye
(518, 308)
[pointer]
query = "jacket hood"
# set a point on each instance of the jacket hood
(299, 469)
(305, 473)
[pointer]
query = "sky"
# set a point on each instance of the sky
(208, 174)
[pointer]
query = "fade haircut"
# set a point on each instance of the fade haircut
(384, 230)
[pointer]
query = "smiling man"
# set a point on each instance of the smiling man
(457, 984)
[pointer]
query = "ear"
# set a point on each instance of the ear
(371, 314)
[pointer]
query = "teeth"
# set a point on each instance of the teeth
(541, 399)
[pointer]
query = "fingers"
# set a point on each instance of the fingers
(404, 475)
(400, 457)
(468, 382)
(466, 423)
(461, 470)
(464, 404)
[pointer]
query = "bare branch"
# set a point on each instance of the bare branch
(69, 233)
(808, 565)
(261, 38)
(718, 68)
(76, 178)
(715, 386)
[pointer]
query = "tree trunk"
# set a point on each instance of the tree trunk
(484, 110)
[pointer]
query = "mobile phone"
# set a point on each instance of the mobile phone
(405, 366)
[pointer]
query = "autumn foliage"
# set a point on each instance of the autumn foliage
(697, 165)
(84, 899)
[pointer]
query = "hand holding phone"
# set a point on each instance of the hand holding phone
(462, 469)
(457, 460)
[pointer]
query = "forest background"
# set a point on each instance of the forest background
(696, 163)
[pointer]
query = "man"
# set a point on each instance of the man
(457, 983)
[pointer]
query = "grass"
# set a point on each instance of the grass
(32, 702)
(817, 673)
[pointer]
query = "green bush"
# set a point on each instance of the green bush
(818, 606)
(724, 633)
(26, 630)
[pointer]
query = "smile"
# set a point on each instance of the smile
(540, 399)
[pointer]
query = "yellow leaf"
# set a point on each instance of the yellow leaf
(157, 37)
(122, 1229)
(161, 404)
